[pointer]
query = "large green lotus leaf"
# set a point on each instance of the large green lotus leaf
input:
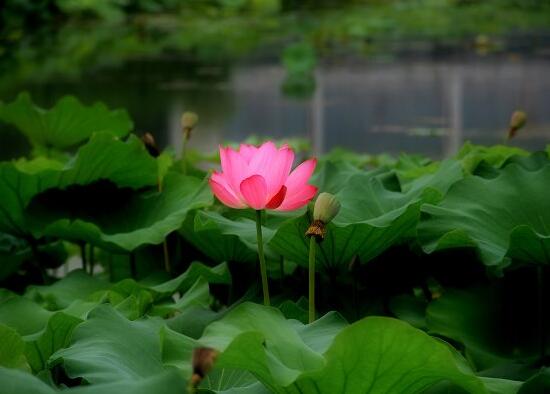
(504, 217)
(124, 163)
(16, 189)
(377, 355)
(131, 297)
(15, 381)
(492, 385)
(231, 381)
(177, 350)
(197, 295)
(371, 219)
(239, 230)
(332, 176)
(384, 355)
(540, 383)
(12, 348)
(319, 334)
(533, 162)
(109, 348)
(228, 247)
(410, 167)
(295, 310)
(68, 123)
(140, 219)
(217, 274)
(501, 386)
(39, 347)
(170, 382)
(23, 315)
(134, 299)
(193, 320)
(260, 340)
(104, 157)
(18, 382)
(471, 155)
(359, 160)
(76, 285)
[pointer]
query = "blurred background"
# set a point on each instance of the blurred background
(416, 76)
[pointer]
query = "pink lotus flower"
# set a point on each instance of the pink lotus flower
(260, 178)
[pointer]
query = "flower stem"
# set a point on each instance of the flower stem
(83, 256)
(183, 152)
(167, 265)
(92, 260)
(263, 268)
(312, 247)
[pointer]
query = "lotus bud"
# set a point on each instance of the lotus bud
(188, 122)
(150, 144)
(203, 361)
(325, 209)
(517, 121)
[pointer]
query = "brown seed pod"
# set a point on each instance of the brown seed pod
(317, 229)
(325, 209)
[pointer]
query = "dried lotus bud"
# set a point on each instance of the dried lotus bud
(150, 144)
(325, 209)
(188, 121)
(517, 121)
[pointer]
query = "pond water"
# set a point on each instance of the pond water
(415, 104)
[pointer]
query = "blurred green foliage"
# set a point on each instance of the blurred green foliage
(46, 38)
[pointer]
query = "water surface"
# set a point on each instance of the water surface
(414, 104)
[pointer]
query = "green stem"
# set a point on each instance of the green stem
(83, 256)
(312, 247)
(38, 261)
(167, 265)
(92, 258)
(183, 149)
(263, 267)
(110, 266)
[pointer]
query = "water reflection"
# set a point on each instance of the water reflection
(420, 106)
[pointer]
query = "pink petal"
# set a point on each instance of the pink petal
(234, 168)
(247, 151)
(299, 199)
(273, 164)
(224, 195)
(254, 191)
(262, 160)
(222, 180)
(277, 199)
(299, 177)
(277, 172)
